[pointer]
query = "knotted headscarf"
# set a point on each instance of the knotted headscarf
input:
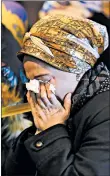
(67, 43)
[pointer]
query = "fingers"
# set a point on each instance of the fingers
(41, 99)
(41, 113)
(54, 101)
(37, 111)
(67, 103)
(49, 92)
(33, 95)
(41, 104)
(51, 82)
(32, 104)
(43, 96)
(52, 98)
(46, 99)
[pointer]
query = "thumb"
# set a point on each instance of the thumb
(67, 102)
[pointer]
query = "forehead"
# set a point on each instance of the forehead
(34, 60)
(41, 63)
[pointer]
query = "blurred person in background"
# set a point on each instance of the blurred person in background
(64, 7)
(80, 8)
(32, 8)
(13, 27)
(70, 134)
(94, 10)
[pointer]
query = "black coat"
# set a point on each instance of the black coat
(85, 154)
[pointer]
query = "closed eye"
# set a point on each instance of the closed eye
(44, 77)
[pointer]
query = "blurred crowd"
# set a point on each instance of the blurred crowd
(17, 18)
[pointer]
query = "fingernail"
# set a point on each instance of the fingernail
(69, 95)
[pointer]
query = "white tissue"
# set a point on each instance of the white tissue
(52, 88)
(34, 84)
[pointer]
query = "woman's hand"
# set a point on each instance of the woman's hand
(47, 111)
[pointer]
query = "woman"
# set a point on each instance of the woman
(70, 135)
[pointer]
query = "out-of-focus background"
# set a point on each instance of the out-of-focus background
(33, 8)
(17, 18)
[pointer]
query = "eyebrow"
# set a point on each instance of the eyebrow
(41, 75)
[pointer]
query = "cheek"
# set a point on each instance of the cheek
(60, 85)
(59, 79)
(29, 70)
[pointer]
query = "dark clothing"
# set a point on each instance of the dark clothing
(86, 153)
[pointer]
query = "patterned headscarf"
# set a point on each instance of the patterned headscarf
(14, 18)
(69, 44)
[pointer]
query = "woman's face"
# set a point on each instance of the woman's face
(64, 82)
